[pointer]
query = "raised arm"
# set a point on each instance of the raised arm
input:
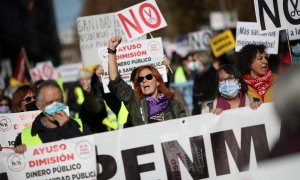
(112, 60)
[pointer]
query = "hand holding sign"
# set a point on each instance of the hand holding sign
(114, 42)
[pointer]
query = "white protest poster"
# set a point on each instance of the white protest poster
(249, 33)
(69, 72)
(131, 55)
(200, 40)
(141, 19)
(67, 159)
(196, 147)
(44, 70)
(220, 20)
(274, 15)
(94, 32)
(10, 126)
(294, 33)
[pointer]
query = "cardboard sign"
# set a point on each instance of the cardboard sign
(249, 33)
(69, 159)
(200, 40)
(94, 32)
(222, 43)
(197, 147)
(141, 19)
(132, 55)
(277, 14)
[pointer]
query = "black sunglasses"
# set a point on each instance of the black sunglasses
(29, 99)
(148, 77)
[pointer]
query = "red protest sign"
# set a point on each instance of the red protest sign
(141, 19)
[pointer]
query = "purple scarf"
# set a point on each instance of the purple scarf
(157, 105)
(223, 103)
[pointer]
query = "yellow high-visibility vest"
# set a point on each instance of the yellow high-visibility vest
(112, 121)
(30, 140)
(179, 76)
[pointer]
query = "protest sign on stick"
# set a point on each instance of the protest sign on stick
(249, 33)
(141, 19)
(94, 32)
(131, 55)
(222, 43)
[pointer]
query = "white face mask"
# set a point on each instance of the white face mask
(229, 89)
(4, 109)
(193, 66)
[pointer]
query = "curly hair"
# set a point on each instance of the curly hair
(162, 88)
(229, 69)
(247, 55)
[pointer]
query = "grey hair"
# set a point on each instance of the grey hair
(287, 100)
(48, 83)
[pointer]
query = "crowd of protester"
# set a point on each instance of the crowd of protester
(200, 83)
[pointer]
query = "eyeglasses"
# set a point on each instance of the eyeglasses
(29, 99)
(230, 78)
(148, 77)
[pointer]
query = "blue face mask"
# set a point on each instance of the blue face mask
(194, 66)
(229, 89)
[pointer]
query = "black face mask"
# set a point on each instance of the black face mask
(31, 106)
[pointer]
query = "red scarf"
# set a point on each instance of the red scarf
(260, 84)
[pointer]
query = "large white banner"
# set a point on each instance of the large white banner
(141, 19)
(249, 33)
(69, 159)
(277, 14)
(132, 55)
(196, 147)
(94, 32)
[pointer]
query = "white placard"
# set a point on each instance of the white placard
(249, 33)
(69, 159)
(141, 19)
(94, 32)
(294, 33)
(274, 15)
(200, 40)
(131, 55)
(43, 71)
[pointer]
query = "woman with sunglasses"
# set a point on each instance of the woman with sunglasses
(23, 99)
(150, 101)
(231, 93)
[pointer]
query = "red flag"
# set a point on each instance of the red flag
(21, 68)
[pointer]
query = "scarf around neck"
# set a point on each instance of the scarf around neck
(157, 105)
(260, 84)
(223, 103)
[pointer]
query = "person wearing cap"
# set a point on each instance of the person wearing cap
(150, 101)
